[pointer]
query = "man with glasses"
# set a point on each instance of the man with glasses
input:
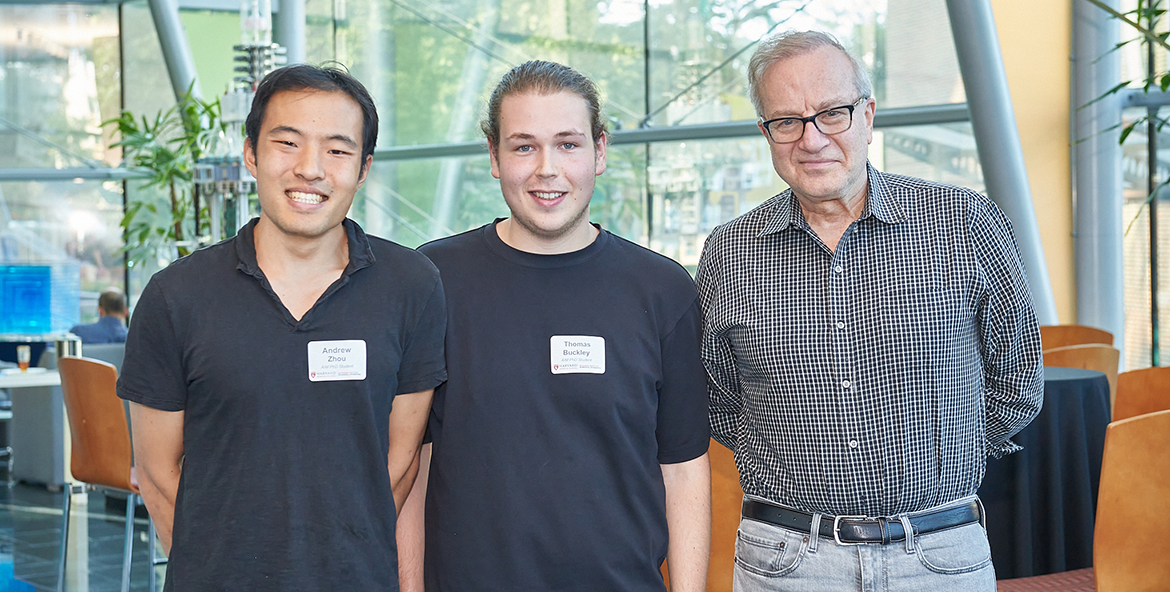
(869, 340)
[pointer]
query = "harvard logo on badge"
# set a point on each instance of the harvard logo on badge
(337, 360)
(577, 354)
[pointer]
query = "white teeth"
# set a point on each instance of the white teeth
(543, 195)
(309, 198)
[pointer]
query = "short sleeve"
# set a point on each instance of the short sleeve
(152, 373)
(683, 431)
(423, 365)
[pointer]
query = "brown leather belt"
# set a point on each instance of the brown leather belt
(858, 530)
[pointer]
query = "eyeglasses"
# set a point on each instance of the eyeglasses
(785, 130)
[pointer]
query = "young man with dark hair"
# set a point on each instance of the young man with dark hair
(280, 380)
(570, 443)
(111, 324)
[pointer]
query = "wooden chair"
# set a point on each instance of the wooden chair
(1130, 546)
(1142, 391)
(101, 454)
(1129, 542)
(1102, 358)
(726, 504)
(1053, 336)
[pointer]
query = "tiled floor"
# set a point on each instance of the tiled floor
(30, 543)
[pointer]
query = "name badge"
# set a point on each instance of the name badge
(578, 354)
(337, 360)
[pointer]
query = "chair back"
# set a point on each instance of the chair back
(1063, 335)
(112, 353)
(1142, 391)
(726, 505)
(97, 423)
(1130, 545)
(1102, 358)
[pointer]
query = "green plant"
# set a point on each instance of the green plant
(167, 146)
(1143, 20)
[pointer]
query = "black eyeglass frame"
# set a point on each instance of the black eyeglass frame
(804, 121)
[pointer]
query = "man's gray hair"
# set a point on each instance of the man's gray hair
(791, 44)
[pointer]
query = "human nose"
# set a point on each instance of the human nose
(309, 165)
(812, 140)
(547, 166)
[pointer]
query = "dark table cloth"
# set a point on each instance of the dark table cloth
(1041, 501)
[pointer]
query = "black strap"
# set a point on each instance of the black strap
(858, 530)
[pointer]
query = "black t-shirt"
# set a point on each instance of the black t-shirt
(572, 377)
(284, 483)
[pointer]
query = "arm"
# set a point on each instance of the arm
(1009, 333)
(723, 391)
(411, 528)
(158, 456)
(408, 421)
(688, 519)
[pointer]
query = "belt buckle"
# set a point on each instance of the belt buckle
(837, 529)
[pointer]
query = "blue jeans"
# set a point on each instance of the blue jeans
(770, 558)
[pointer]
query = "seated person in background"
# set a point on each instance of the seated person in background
(111, 326)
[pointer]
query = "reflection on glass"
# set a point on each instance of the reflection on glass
(1135, 216)
(59, 75)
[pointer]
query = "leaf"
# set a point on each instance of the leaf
(1111, 91)
(1153, 37)
(1149, 198)
(1125, 132)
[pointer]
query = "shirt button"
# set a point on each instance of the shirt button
(853, 443)
(845, 383)
(840, 325)
(838, 269)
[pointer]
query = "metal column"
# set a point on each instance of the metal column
(994, 123)
(290, 29)
(176, 52)
(1097, 216)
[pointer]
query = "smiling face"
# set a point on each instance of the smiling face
(818, 167)
(307, 161)
(547, 164)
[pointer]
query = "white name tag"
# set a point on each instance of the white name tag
(337, 360)
(578, 354)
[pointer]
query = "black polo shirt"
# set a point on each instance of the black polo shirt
(284, 483)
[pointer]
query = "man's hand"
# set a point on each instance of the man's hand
(158, 457)
(688, 519)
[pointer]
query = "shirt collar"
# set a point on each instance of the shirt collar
(110, 320)
(879, 203)
(360, 253)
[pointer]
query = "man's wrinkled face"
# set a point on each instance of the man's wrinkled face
(818, 167)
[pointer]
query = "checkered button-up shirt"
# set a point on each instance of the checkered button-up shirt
(876, 378)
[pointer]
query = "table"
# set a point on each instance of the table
(1041, 502)
(27, 379)
(39, 430)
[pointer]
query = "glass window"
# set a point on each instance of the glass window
(1136, 248)
(59, 79)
